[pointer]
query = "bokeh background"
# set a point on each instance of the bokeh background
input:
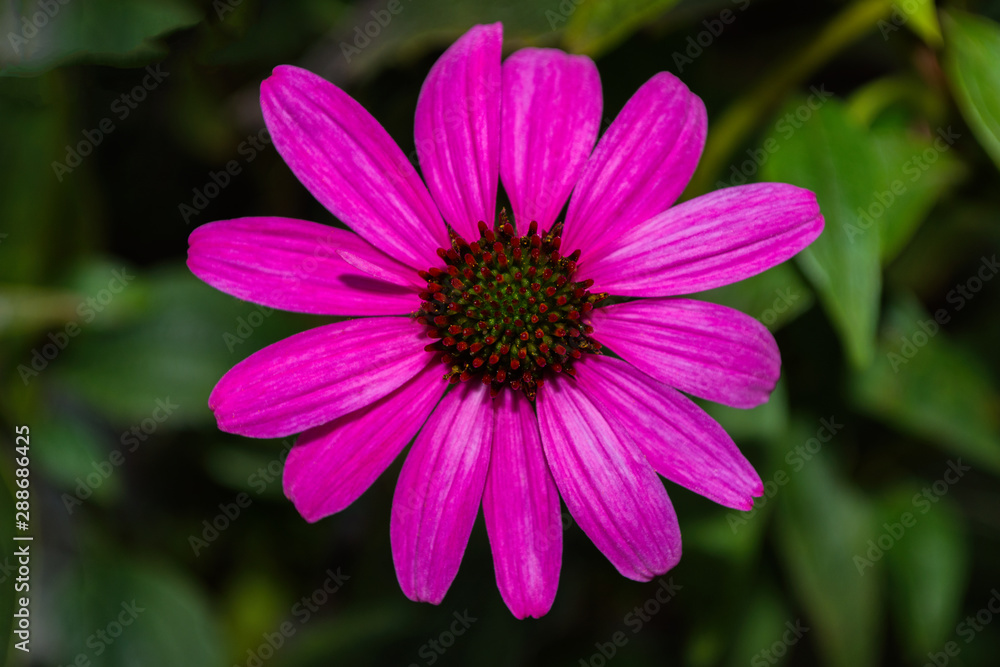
(878, 539)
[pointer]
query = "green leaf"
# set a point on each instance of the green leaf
(831, 155)
(917, 171)
(73, 451)
(595, 26)
(254, 602)
(350, 633)
(745, 114)
(916, 167)
(762, 625)
(185, 336)
(765, 422)
(736, 536)
(245, 470)
(775, 297)
(822, 526)
(971, 56)
(925, 385)
(26, 309)
(906, 96)
(268, 33)
(109, 31)
(164, 619)
(429, 25)
(920, 16)
(927, 570)
(32, 197)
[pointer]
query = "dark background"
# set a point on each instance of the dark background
(120, 500)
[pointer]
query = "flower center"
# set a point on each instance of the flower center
(505, 308)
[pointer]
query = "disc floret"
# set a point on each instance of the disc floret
(506, 310)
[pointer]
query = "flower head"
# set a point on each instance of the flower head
(502, 347)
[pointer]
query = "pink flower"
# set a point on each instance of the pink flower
(515, 317)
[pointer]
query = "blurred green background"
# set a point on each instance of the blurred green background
(878, 545)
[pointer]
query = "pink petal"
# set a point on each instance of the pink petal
(681, 442)
(318, 375)
(295, 265)
(457, 129)
(333, 464)
(439, 490)
(713, 240)
(639, 168)
(521, 508)
(347, 160)
(549, 121)
(609, 487)
(374, 264)
(701, 348)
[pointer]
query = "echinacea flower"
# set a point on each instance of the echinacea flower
(489, 342)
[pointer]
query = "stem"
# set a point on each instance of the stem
(744, 115)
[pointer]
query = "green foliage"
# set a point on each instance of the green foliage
(887, 326)
(32, 111)
(419, 27)
(822, 526)
(921, 17)
(775, 297)
(762, 625)
(972, 48)
(916, 171)
(119, 613)
(596, 27)
(927, 573)
(115, 372)
(114, 31)
(924, 384)
(832, 156)
(767, 422)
